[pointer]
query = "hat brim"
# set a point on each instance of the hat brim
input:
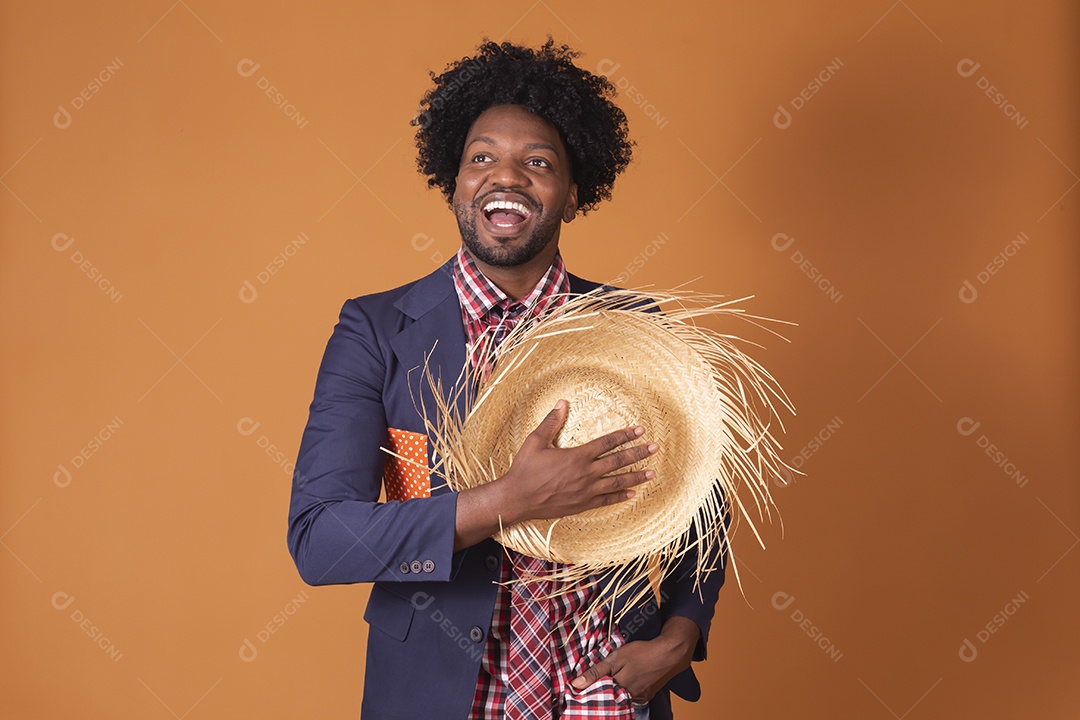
(620, 363)
(616, 369)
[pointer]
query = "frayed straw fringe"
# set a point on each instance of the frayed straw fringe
(729, 403)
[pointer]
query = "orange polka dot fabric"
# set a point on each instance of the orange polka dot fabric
(404, 480)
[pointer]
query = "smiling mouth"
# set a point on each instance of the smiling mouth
(506, 214)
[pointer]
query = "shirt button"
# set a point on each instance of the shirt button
(404, 568)
(429, 566)
(416, 566)
(476, 634)
(491, 562)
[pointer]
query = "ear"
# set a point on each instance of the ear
(571, 208)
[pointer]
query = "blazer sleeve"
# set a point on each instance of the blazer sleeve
(695, 600)
(338, 531)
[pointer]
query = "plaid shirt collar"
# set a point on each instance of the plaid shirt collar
(479, 296)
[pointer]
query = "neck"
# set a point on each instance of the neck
(518, 281)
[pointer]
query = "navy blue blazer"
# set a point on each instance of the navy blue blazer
(430, 608)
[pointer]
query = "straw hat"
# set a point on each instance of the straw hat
(619, 363)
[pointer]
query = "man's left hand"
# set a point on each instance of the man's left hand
(645, 666)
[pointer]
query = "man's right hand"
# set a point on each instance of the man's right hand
(545, 481)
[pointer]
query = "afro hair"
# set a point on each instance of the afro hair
(546, 82)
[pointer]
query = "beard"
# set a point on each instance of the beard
(543, 230)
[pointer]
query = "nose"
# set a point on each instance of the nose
(507, 172)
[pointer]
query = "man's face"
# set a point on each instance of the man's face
(514, 187)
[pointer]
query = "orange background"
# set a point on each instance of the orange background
(179, 181)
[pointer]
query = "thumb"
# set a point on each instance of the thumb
(597, 671)
(551, 424)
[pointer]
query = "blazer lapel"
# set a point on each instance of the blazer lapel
(435, 339)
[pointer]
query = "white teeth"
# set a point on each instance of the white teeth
(507, 205)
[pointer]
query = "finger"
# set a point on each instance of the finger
(620, 484)
(551, 424)
(597, 671)
(618, 496)
(607, 443)
(623, 458)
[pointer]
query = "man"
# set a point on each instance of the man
(520, 141)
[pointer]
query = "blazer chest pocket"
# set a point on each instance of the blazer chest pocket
(389, 612)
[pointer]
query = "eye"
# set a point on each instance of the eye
(480, 157)
(540, 162)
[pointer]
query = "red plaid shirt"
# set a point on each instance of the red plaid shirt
(483, 309)
(487, 312)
